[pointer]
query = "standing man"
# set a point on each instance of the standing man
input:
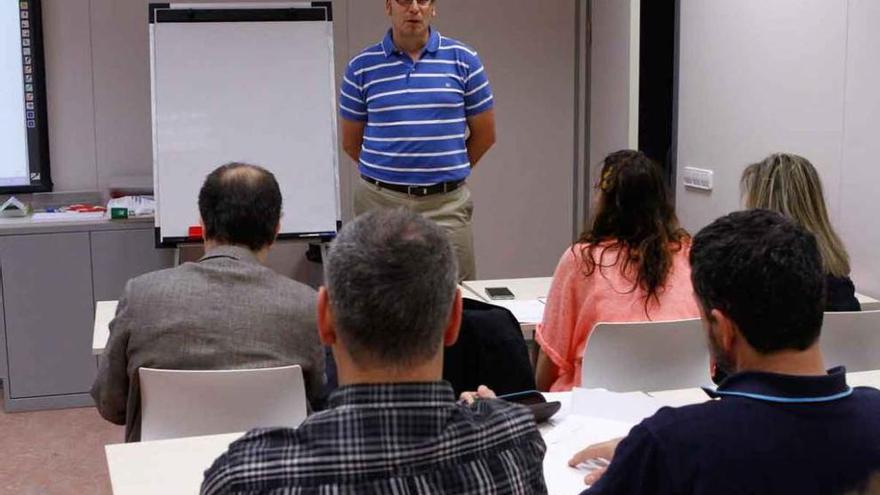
(417, 117)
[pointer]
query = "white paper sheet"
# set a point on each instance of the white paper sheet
(629, 407)
(570, 435)
(679, 398)
(525, 310)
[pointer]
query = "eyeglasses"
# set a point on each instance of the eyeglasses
(407, 3)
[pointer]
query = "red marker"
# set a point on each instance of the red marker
(195, 232)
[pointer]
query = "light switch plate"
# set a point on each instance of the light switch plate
(698, 178)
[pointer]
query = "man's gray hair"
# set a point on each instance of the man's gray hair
(391, 276)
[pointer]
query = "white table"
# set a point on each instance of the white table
(864, 379)
(164, 466)
(686, 396)
(525, 291)
(535, 287)
(681, 397)
(868, 303)
(104, 313)
(522, 288)
(178, 465)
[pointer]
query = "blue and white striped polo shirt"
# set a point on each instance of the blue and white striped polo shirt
(416, 112)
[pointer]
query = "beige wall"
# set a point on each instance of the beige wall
(860, 173)
(799, 76)
(99, 111)
(614, 78)
(71, 106)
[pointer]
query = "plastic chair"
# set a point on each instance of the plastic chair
(851, 339)
(646, 356)
(182, 403)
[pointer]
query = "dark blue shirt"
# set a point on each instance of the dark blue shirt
(415, 112)
(767, 433)
(840, 294)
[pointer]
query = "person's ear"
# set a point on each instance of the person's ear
(450, 335)
(204, 232)
(388, 7)
(726, 331)
(326, 321)
(277, 229)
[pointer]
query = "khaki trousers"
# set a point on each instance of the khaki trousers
(452, 211)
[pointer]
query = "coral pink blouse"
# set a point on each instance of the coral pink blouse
(577, 302)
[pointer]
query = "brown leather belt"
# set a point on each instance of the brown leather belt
(442, 187)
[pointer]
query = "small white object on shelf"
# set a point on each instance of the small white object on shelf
(137, 206)
(14, 208)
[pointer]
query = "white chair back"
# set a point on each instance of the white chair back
(651, 355)
(851, 339)
(184, 403)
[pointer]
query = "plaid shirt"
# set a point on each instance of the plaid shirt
(405, 438)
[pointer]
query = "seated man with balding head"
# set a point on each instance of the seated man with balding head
(225, 311)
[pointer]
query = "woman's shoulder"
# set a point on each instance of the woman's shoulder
(584, 261)
(575, 254)
(608, 246)
(569, 260)
(609, 253)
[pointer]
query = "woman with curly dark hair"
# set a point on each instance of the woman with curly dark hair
(631, 264)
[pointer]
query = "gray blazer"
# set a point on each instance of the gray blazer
(225, 311)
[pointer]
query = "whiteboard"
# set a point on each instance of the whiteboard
(260, 92)
(13, 138)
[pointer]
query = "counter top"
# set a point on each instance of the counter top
(27, 225)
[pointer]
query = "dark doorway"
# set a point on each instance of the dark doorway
(657, 82)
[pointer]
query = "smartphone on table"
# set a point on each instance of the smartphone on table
(499, 293)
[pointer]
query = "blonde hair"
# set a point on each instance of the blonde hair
(789, 184)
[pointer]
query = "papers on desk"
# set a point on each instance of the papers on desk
(164, 466)
(628, 407)
(571, 430)
(572, 434)
(105, 311)
(524, 310)
(682, 397)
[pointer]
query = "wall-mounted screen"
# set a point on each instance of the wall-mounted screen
(24, 161)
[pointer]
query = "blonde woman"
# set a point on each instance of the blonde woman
(789, 184)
